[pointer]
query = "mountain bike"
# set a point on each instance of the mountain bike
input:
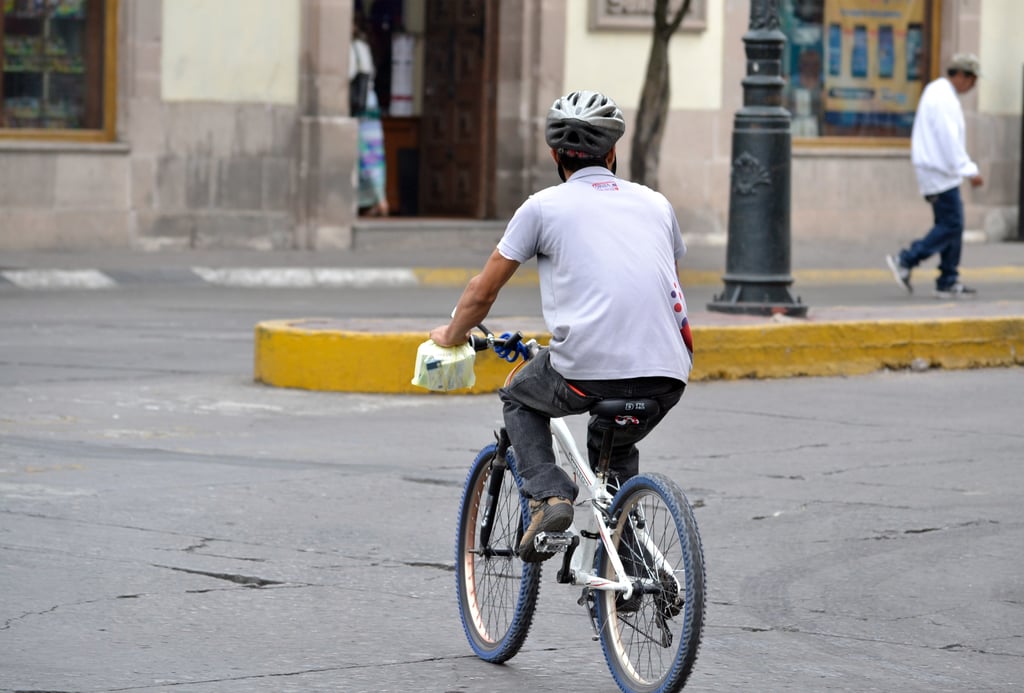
(634, 551)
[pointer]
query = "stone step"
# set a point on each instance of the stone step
(414, 233)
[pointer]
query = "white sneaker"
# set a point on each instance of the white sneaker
(958, 290)
(900, 273)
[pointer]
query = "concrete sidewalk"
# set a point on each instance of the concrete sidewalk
(447, 264)
(859, 335)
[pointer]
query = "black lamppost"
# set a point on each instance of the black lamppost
(1020, 193)
(757, 270)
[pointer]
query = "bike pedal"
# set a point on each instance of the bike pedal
(554, 542)
(565, 573)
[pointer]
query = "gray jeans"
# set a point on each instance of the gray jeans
(539, 393)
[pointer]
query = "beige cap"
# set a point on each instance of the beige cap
(965, 62)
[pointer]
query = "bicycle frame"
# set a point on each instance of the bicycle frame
(567, 455)
(581, 573)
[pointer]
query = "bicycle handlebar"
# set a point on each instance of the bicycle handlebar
(508, 346)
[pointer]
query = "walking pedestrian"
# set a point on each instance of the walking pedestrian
(606, 252)
(939, 155)
(364, 105)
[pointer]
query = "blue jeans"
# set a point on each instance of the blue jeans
(945, 238)
(539, 393)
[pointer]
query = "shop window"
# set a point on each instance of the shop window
(58, 67)
(856, 68)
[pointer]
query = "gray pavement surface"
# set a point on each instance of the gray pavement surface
(167, 525)
(838, 281)
(816, 254)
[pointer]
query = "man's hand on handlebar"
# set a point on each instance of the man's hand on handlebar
(441, 337)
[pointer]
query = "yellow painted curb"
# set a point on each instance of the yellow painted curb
(318, 354)
(856, 348)
(312, 355)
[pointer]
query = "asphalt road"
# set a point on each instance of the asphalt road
(168, 525)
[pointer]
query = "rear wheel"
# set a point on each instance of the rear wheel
(650, 640)
(497, 591)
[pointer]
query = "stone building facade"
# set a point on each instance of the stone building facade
(237, 135)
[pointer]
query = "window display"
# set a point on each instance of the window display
(52, 64)
(856, 68)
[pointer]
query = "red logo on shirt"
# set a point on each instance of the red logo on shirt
(605, 186)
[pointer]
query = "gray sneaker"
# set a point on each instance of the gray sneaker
(548, 515)
(900, 273)
(958, 290)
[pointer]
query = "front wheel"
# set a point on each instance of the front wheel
(497, 591)
(650, 640)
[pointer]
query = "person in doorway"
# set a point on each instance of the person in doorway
(607, 252)
(372, 196)
(939, 155)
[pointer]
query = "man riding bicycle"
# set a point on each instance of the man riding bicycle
(606, 253)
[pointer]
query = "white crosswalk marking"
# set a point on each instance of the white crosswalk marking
(59, 279)
(307, 277)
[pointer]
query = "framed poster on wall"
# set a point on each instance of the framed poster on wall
(879, 51)
(856, 68)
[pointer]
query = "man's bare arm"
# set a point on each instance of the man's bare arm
(476, 301)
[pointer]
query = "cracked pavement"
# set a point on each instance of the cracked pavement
(168, 525)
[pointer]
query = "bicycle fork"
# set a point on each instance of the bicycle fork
(499, 466)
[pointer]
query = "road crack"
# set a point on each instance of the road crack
(245, 580)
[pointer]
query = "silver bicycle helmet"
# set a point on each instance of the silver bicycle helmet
(585, 121)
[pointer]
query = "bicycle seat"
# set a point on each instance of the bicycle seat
(624, 412)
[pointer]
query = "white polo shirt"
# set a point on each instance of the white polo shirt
(937, 147)
(606, 253)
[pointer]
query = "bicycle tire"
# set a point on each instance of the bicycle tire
(497, 591)
(650, 641)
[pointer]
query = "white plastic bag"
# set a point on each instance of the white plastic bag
(444, 368)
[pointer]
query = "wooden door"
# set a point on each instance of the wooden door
(457, 136)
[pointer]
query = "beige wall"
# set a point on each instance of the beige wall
(231, 51)
(1002, 57)
(614, 62)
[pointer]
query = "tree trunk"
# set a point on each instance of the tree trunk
(650, 117)
(654, 99)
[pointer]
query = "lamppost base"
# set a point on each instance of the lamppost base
(792, 310)
(771, 299)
